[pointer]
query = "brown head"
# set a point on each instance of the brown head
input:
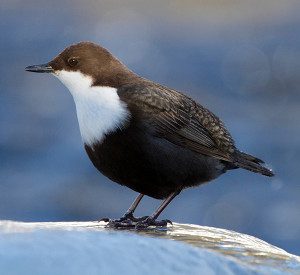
(91, 60)
(93, 76)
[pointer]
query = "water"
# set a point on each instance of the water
(241, 60)
(246, 249)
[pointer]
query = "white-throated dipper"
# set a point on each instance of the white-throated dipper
(150, 138)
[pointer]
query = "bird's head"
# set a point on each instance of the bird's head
(85, 61)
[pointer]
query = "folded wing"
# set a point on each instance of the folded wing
(180, 120)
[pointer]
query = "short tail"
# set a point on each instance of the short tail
(252, 164)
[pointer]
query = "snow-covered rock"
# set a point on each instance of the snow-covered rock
(90, 248)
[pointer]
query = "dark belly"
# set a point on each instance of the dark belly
(151, 165)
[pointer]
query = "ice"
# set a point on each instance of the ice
(90, 248)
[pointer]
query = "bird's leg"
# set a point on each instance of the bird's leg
(151, 220)
(127, 219)
(129, 213)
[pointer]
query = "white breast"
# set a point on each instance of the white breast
(99, 109)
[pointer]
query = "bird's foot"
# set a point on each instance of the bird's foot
(124, 224)
(127, 221)
(148, 222)
(130, 216)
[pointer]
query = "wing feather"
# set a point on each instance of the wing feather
(180, 120)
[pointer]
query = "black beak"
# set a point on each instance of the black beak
(44, 68)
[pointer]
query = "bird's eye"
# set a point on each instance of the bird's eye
(72, 61)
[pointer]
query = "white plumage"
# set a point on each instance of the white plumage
(99, 109)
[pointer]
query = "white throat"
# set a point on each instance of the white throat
(99, 109)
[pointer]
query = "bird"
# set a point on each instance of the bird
(153, 139)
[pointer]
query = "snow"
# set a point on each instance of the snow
(89, 248)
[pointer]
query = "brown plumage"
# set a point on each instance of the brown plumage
(182, 121)
(163, 142)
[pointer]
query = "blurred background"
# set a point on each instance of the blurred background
(241, 59)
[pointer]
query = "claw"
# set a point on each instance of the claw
(134, 219)
(127, 224)
(150, 222)
(169, 221)
(104, 220)
(127, 221)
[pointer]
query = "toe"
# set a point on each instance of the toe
(139, 219)
(160, 223)
(120, 224)
(169, 221)
(141, 225)
(104, 220)
(150, 222)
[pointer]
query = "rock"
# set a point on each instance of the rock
(89, 248)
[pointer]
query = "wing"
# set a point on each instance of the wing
(179, 119)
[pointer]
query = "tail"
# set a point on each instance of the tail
(252, 164)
